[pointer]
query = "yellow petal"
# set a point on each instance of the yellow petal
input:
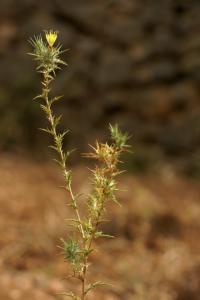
(51, 37)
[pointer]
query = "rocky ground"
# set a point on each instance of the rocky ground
(155, 255)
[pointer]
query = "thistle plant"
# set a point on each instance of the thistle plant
(78, 247)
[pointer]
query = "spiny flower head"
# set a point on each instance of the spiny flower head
(120, 139)
(47, 56)
(51, 37)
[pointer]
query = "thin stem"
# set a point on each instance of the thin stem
(89, 243)
(76, 210)
(60, 150)
(65, 172)
(83, 286)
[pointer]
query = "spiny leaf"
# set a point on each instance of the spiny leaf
(55, 148)
(74, 222)
(95, 285)
(47, 130)
(63, 135)
(39, 97)
(99, 234)
(57, 121)
(55, 99)
(58, 162)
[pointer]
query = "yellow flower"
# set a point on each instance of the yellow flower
(51, 37)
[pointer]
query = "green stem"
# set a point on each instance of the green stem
(61, 153)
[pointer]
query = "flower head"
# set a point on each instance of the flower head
(51, 37)
(47, 56)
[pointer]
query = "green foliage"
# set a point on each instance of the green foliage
(72, 253)
(77, 250)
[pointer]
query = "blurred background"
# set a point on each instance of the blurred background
(131, 62)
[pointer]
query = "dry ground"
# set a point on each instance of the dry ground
(155, 256)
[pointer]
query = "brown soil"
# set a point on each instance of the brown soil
(155, 255)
